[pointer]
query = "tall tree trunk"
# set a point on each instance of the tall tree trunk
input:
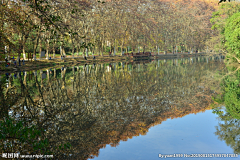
(114, 47)
(86, 52)
(54, 73)
(36, 45)
(93, 51)
(83, 53)
(77, 50)
(121, 51)
(114, 51)
(64, 53)
(73, 48)
(23, 45)
(20, 47)
(102, 49)
(99, 50)
(122, 48)
(40, 47)
(47, 49)
(73, 52)
(54, 44)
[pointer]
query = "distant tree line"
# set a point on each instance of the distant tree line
(97, 26)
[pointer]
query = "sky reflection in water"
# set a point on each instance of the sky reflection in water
(187, 135)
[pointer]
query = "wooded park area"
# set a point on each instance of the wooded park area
(74, 26)
(31, 28)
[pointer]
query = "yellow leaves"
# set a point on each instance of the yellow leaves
(141, 124)
(112, 133)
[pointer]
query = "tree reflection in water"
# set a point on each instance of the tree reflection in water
(94, 105)
(228, 129)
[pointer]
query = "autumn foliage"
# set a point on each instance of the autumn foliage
(166, 25)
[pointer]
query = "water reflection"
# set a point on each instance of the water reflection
(228, 129)
(93, 105)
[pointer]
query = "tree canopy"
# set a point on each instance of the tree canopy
(232, 34)
(225, 26)
(167, 25)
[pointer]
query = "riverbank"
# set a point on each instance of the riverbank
(69, 60)
(43, 63)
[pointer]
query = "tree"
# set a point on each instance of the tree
(219, 19)
(232, 34)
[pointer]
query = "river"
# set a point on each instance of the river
(124, 110)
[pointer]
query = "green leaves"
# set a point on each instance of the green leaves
(12, 129)
(231, 96)
(232, 34)
(25, 136)
(64, 146)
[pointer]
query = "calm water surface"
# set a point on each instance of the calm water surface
(191, 134)
(125, 110)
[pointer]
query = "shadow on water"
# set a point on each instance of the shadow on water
(72, 112)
